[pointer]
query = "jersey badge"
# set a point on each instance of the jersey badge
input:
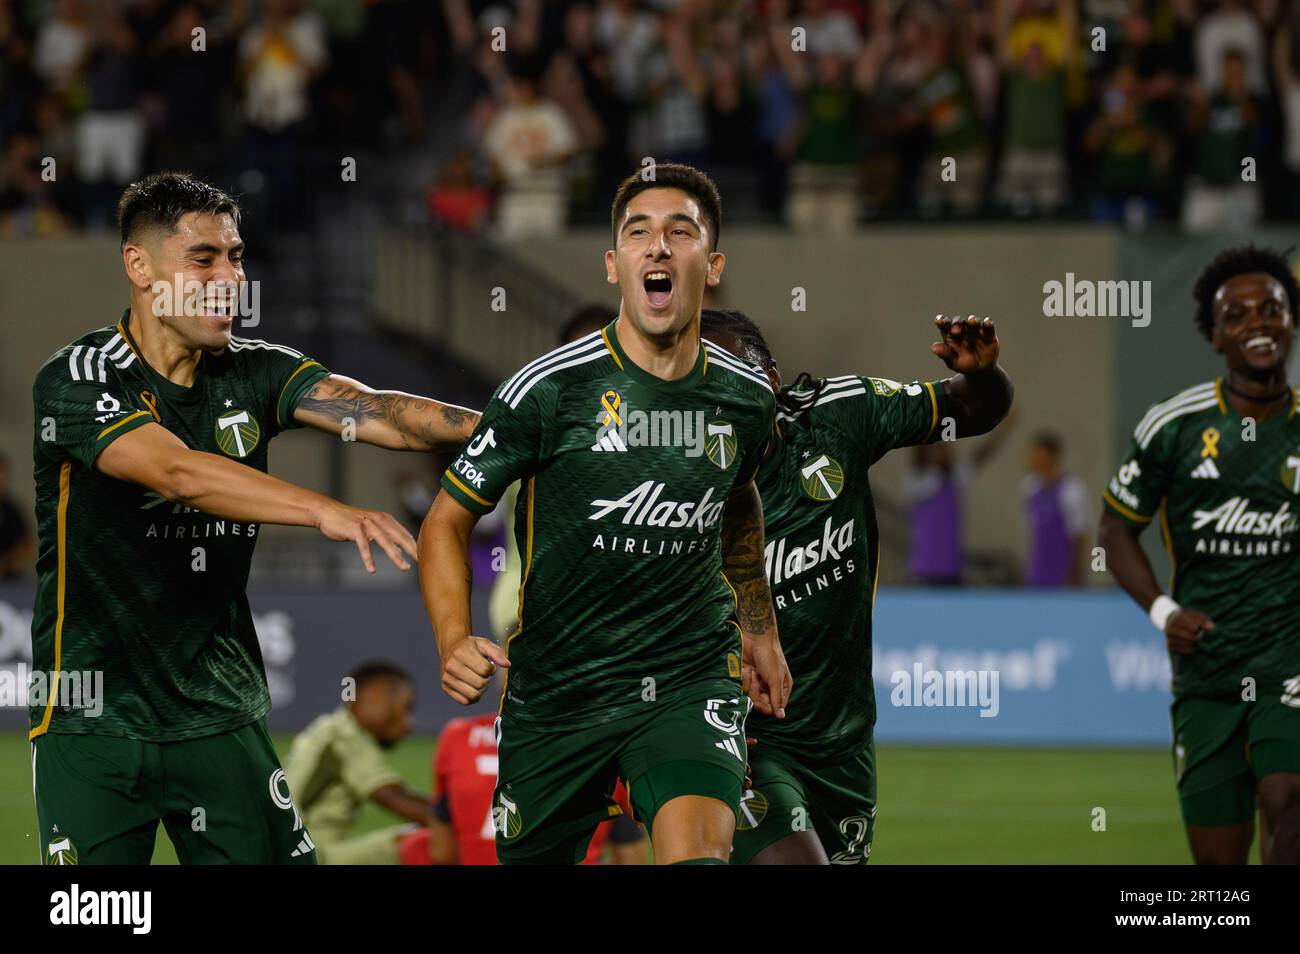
(822, 478)
(237, 433)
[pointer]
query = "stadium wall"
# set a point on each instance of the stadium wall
(1071, 668)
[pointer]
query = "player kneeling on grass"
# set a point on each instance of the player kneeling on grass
(1220, 464)
(337, 764)
(150, 458)
(813, 799)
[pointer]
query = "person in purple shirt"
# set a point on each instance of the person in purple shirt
(1056, 516)
(936, 482)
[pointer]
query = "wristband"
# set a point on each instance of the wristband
(1162, 607)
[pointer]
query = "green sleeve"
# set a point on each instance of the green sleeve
(893, 415)
(1140, 482)
(82, 406)
(291, 383)
(752, 455)
(505, 447)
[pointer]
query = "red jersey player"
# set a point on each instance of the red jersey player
(464, 777)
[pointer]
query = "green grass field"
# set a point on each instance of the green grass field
(937, 805)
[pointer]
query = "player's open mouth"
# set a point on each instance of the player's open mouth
(658, 287)
(1262, 344)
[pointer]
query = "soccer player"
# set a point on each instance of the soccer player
(813, 799)
(337, 764)
(1220, 464)
(644, 611)
(150, 459)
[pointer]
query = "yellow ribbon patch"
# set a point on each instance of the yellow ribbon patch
(1210, 438)
(610, 401)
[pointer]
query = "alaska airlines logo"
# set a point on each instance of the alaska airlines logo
(823, 479)
(1234, 516)
(237, 433)
(782, 564)
(642, 507)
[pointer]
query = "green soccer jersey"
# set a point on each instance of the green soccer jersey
(823, 553)
(624, 476)
(148, 592)
(1225, 490)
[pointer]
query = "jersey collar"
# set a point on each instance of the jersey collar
(641, 376)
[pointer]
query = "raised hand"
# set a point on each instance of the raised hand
(966, 344)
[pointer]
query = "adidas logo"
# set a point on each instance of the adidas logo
(1206, 470)
(610, 440)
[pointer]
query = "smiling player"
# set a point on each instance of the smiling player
(1220, 464)
(150, 460)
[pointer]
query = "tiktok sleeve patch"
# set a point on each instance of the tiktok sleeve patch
(82, 406)
(1138, 486)
(503, 448)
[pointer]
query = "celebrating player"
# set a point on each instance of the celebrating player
(151, 486)
(644, 609)
(1220, 464)
(814, 774)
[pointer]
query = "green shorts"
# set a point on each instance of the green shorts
(1224, 746)
(223, 800)
(837, 801)
(555, 787)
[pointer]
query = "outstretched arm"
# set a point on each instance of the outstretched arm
(764, 673)
(392, 419)
(154, 457)
(979, 395)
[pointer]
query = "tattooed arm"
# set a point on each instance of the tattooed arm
(392, 419)
(764, 674)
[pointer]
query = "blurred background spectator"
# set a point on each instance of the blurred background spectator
(816, 113)
(1057, 517)
(935, 489)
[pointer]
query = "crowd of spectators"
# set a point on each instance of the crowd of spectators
(95, 93)
(816, 113)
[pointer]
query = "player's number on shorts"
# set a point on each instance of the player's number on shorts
(854, 829)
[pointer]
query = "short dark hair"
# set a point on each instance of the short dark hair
(1048, 440)
(1241, 260)
(380, 669)
(585, 320)
(748, 337)
(160, 200)
(672, 175)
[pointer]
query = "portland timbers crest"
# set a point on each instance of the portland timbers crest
(60, 850)
(822, 478)
(237, 433)
(753, 809)
(720, 443)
